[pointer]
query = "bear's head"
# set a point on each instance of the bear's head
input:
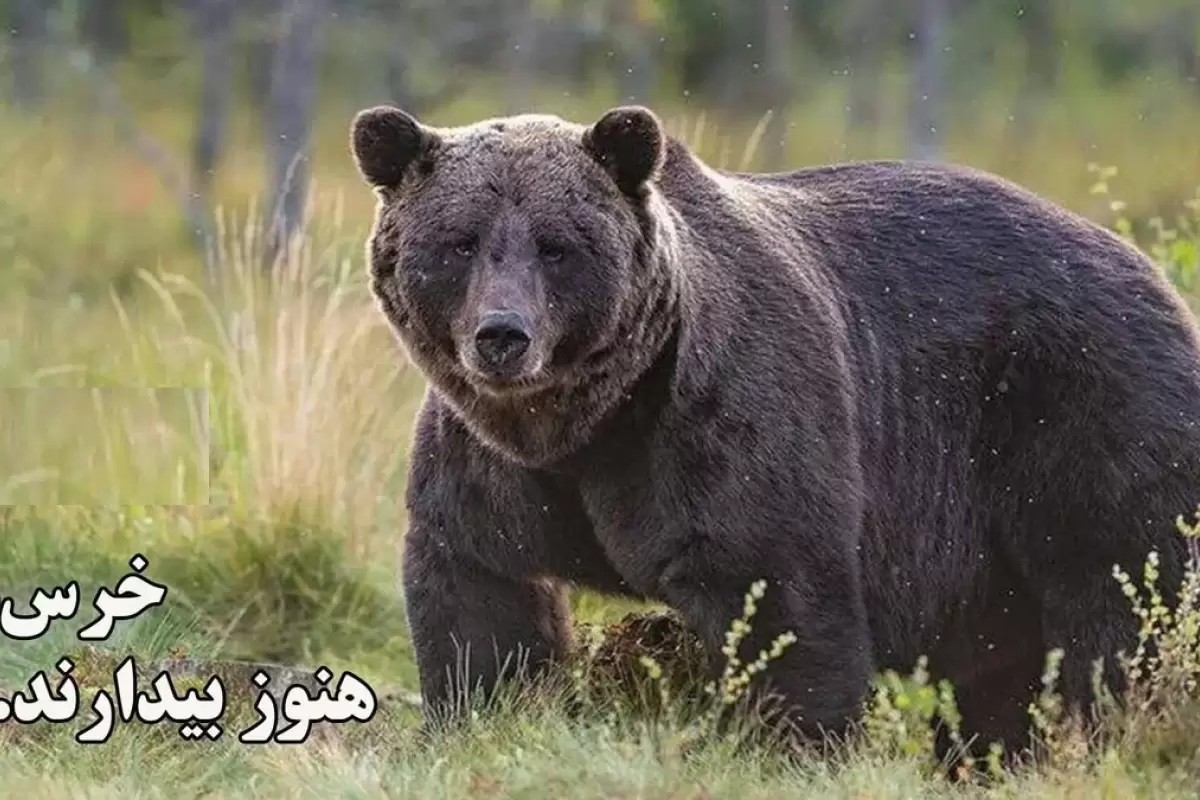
(520, 261)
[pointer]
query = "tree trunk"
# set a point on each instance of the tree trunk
(214, 26)
(778, 55)
(1187, 45)
(1039, 29)
(635, 77)
(261, 24)
(864, 101)
(925, 136)
(519, 56)
(104, 29)
(289, 118)
(28, 35)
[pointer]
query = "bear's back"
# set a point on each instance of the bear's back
(910, 220)
(959, 313)
(927, 253)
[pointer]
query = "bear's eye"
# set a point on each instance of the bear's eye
(465, 248)
(551, 252)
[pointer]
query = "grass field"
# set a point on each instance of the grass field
(249, 441)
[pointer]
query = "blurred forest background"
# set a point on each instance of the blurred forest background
(207, 102)
(246, 429)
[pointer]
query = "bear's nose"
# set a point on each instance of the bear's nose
(501, 338)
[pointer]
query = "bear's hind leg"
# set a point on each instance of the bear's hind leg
(994, 660)
(1067, 554)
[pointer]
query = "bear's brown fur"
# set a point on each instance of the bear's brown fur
(932, 409)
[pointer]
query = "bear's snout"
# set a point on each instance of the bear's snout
(501, 340)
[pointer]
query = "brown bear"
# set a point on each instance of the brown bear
(931, 409)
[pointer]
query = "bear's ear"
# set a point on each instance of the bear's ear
(386, 142)
(629, 143)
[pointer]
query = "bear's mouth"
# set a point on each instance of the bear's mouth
(500, 385)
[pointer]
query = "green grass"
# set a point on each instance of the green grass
(250, 441)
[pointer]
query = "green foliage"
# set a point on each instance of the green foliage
(1176, 248)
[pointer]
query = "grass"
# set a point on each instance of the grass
(249, 439)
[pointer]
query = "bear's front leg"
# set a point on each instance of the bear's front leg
(818, 685)
(473, 628)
